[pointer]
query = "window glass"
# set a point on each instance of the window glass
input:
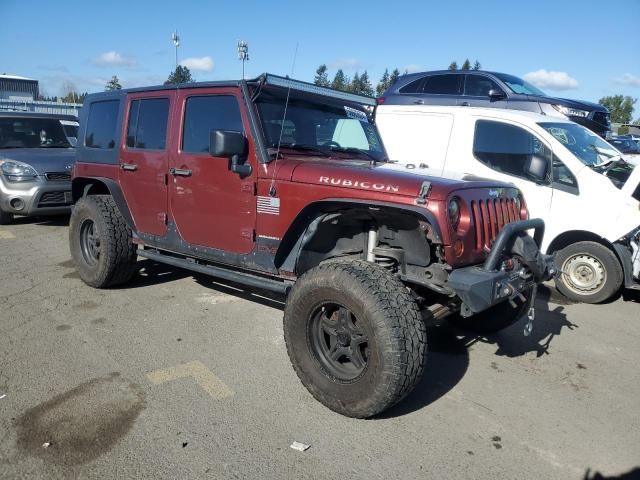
(203, 114)
(413, 87)
(25, 132)
(148, 123)
(509, 149)
(562, 176)
(479, 86)
(444, 84)
(101, 124)
(517, 85)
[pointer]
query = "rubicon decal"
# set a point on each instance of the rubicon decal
(344, 182)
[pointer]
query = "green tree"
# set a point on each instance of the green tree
(477, 66)
(395, 75)
(453, 65)
(365, 85)
(322, 77)
(620, 107)
(355, 84)
(340, 81)
(179, 75)
(466, 65)
(113, 84)
(383, 84)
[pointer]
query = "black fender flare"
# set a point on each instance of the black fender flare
(114, 190)
(292, 242)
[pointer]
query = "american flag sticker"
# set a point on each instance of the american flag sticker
(269, 205)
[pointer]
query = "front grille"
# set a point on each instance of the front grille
(601, 117)
(52, 199)
(58, 176)
(489, 216)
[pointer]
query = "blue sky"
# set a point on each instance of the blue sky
(578, 49)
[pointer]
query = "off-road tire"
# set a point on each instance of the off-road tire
(5, 218)
(495, 318)
(596, 257)
(386, 312)
(116, 262)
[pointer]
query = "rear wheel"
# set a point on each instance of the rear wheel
(100, 242)
(5, 218)
(589, 272)
(355, 337)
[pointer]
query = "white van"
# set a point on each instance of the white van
(586, 193)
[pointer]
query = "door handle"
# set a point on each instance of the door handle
(465, 104)
(419, 102)
(132, 167)
(180, 172)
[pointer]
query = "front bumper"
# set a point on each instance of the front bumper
(37, 197)
(481, 287)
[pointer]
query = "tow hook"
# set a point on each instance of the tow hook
(531, 312)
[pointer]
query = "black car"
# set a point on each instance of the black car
(625, 145)
(478, 88)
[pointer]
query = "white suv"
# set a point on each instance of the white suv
(580, 185)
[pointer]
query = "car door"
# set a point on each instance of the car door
(210, 205)
(476, 92)
(507, 152)
(144, 159)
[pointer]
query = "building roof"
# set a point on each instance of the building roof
(16, 77)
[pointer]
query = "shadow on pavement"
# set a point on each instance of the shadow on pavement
(633, 474)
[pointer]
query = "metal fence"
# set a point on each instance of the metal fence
(40, 107)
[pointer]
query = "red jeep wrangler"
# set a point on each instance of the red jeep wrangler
(285, 186)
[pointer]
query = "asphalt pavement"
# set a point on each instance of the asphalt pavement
(179, 376)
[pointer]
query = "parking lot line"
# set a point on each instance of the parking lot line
(4, 235)
(204, 377)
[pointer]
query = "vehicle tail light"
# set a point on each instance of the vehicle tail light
(380, 100)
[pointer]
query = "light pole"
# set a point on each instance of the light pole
(176, 41)
(243, 53)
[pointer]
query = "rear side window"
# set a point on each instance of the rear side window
(508, 149)
(101, 124)
(147, 127)
(413, 87)
(444, 84)
(479, 86)
(203, 114)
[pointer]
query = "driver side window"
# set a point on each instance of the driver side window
(511, 150)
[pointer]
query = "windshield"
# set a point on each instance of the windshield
(70, 130)
(583, 143)
(328, 129)
(517, 85)
(32, 133)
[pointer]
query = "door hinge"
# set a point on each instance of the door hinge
(162, 218)
(249, 233)
(249, 188)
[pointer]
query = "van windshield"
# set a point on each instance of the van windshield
(591, 150)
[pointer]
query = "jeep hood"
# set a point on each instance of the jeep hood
(43, 160)
(383, 177)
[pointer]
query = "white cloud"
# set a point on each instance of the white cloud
(198, 64)
(412, 68)
(551, 80)
(113, 58)
(628, 80)
(348, 64)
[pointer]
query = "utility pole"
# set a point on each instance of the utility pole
(176, 41)
(243, 53)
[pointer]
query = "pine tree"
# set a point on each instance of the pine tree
(395, 75)
(365, 85)
(340, 81)
(477, 66)
(453, 65)
(383, 84)
(113, 84)
(322, 77)
(355, 84)
(179, 75)
(466, 65)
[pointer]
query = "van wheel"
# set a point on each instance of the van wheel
(589, 272)
(100, 242)
(355, 337)
(5, 218)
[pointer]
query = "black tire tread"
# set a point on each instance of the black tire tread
(403, 318)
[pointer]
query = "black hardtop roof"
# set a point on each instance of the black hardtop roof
(57, 116)
(264, 79)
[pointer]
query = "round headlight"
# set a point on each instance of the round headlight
(454, 212)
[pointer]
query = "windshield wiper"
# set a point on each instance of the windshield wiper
(357, 150)
(301, 147)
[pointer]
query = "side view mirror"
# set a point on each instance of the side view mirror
(231, 144)
(496, 94)
(538, 168)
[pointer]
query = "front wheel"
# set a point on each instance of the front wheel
(100, 242)
(589, 272)
(355, 337)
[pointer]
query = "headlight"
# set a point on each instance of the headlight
(571, 112)
(17, 171)
(454, 212)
